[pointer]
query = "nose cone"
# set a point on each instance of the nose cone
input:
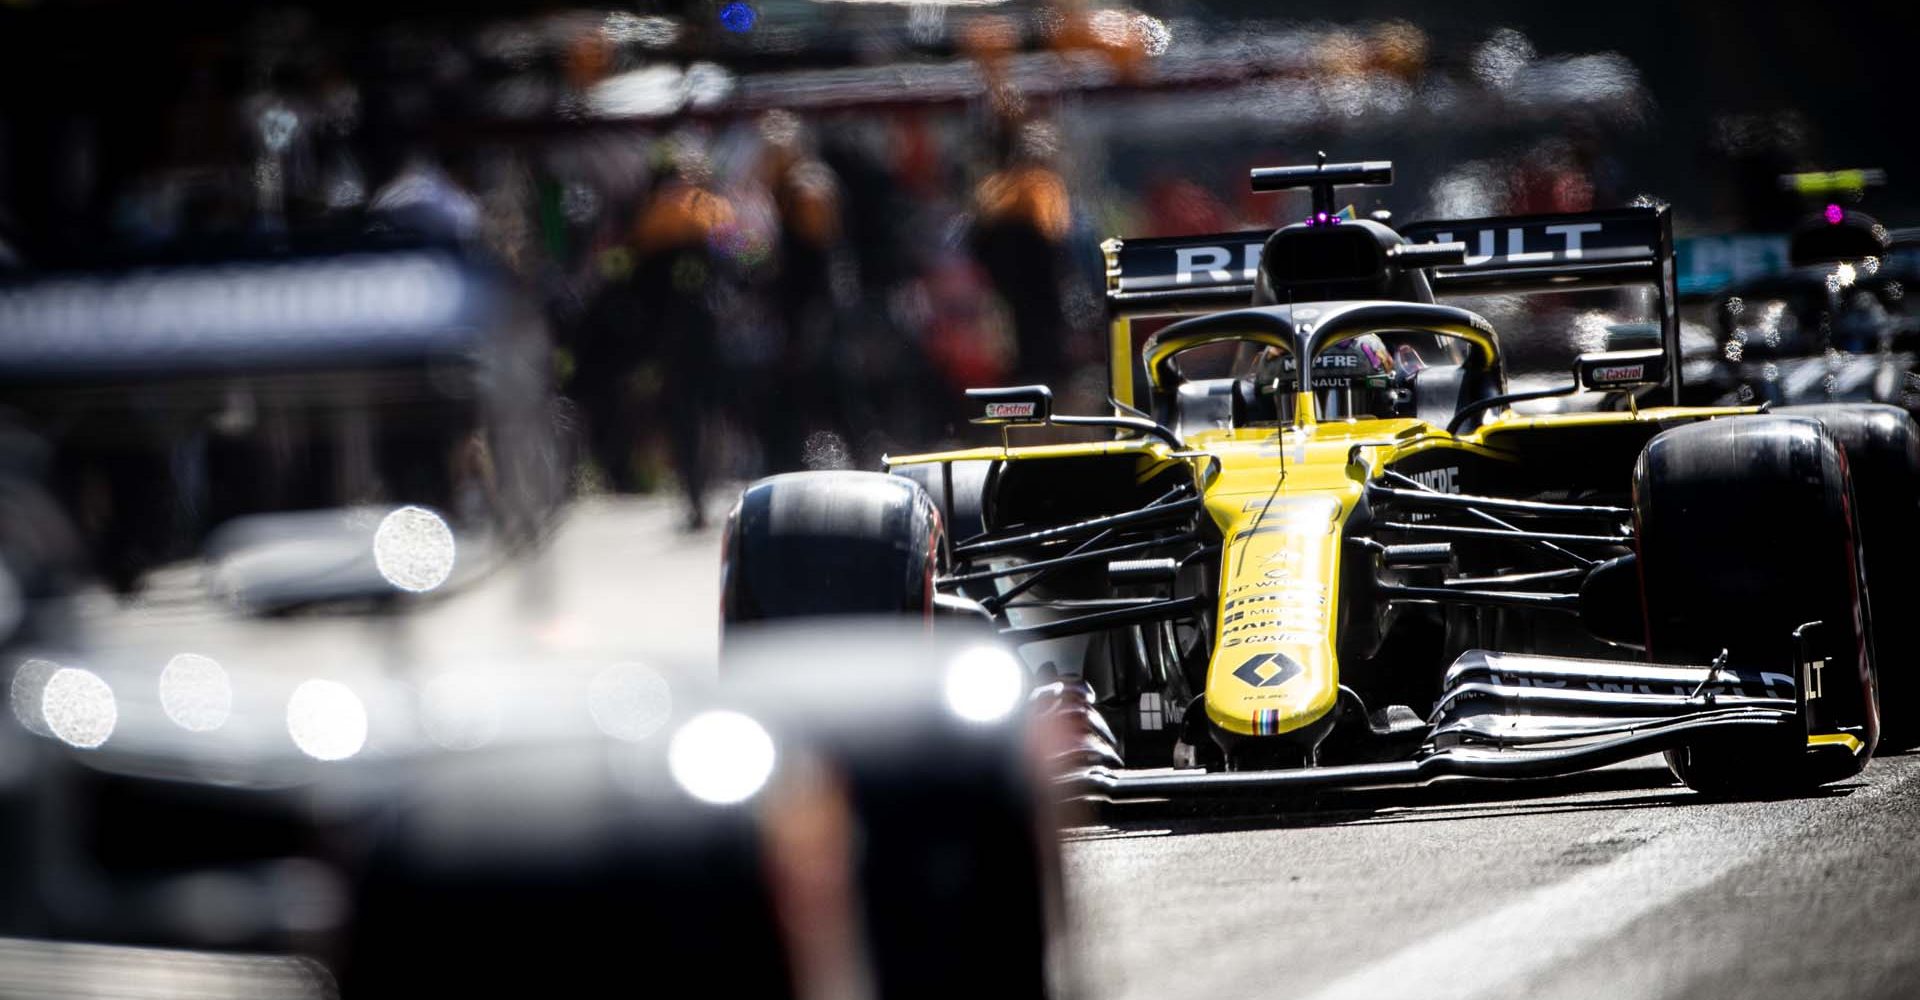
(1273, 670)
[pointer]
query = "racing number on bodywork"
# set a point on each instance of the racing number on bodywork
(1267, 670)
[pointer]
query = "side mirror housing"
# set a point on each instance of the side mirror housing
(1429, 254)
(1633, 336)
(1611, 371)
(1019, 405)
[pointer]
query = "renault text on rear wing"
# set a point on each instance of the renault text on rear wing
(1505, 254)
(1625, 246)
(1544, 253)
(1213, 269)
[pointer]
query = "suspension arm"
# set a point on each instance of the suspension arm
(1467, 501)
(1130, 519)
(1089, 555)
(1179, 607)
(1513, 534)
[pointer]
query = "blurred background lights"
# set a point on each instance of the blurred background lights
(413, 549)
(721, 757)
(326, 720)
(738, 17)
(1499, 60)
(78, 707)
(1835, 215)
(629, 701)
(983, 684)
(29, 682)
(461, 711)
(621, 27)
(1154, 34)
(196, 693)
(1110, 27)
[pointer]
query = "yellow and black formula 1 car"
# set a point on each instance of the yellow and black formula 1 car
(1320, 546)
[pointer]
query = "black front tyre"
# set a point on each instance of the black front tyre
(810, 544)
(1883, 458)
(1747, 531)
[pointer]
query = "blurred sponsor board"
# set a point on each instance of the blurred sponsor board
(1708, 264)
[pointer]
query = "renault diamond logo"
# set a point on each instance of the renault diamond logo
(1267, 670)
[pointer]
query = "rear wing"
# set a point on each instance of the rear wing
(1183, 271)
(1154, 279)
(1532, 253)
(1615, 248)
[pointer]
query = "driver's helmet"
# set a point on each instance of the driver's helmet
(1354, 378)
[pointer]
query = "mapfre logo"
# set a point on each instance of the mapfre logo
(1005, 410)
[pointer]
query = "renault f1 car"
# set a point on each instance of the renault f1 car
(1320, 547)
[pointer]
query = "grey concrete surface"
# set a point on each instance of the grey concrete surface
(1616, 884)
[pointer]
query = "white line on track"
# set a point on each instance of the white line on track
(1498, 950)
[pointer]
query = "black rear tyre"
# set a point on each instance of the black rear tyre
(1746, 531)
(812, 544)
(960, 490)
(1883, 457)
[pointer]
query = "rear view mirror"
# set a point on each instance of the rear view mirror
(1014, 405)
(1609, 371)
(1633, 336)
(1451, 254)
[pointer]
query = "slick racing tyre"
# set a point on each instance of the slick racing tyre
(830, 825)
(810, 544)
(1746, 530)
(1883, 456)
(959, 488)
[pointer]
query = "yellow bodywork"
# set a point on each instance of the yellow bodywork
(1280, 500)
(1273, 668)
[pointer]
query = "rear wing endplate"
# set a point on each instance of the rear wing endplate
(1183, 272)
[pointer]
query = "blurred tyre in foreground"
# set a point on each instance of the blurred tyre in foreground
(856, 812)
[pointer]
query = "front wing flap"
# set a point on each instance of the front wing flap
(1506, 716)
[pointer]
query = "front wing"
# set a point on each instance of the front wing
(1505, 716)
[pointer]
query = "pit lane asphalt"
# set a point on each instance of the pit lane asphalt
(1611, 884)
(1614, 884)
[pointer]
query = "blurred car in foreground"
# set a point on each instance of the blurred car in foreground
(852, 814)
(175, 400)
